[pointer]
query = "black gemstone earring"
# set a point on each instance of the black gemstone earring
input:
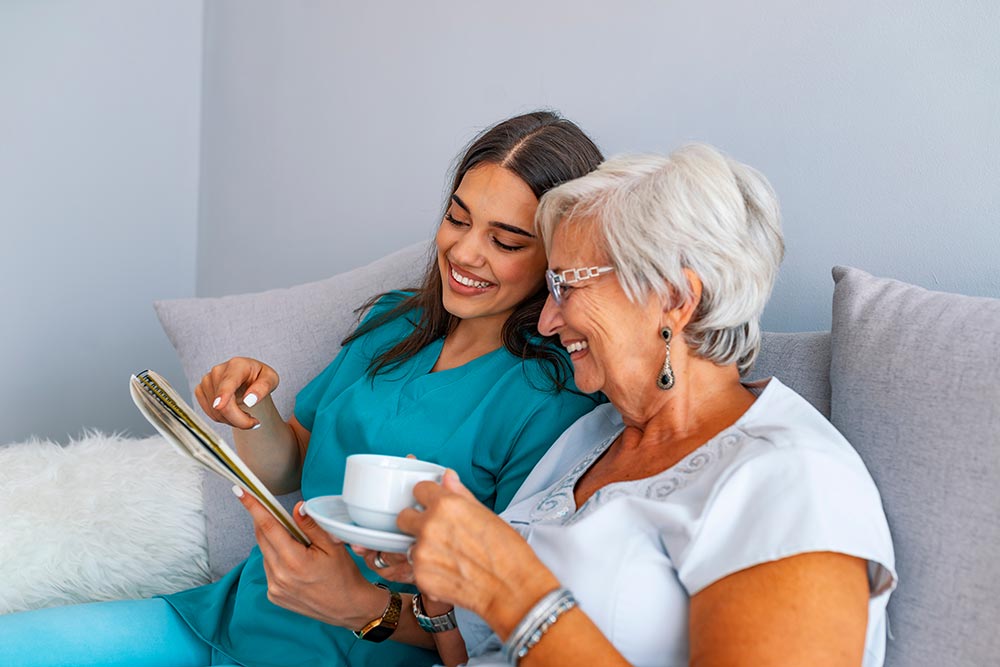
(665, 380)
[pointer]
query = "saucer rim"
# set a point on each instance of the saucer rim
(398, 540)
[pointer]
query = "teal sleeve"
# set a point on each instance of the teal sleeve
(349, 364)
(553, 415)
(308, 399)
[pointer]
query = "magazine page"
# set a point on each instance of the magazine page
(176, 421)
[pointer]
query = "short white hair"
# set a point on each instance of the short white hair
(695, 209)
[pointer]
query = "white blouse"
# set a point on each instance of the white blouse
(780, 481)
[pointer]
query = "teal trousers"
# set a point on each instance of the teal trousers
(128, 633)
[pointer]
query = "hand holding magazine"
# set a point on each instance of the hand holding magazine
(181, 426)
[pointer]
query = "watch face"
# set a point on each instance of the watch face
(378, 634)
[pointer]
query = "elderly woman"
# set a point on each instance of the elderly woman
(696, 519)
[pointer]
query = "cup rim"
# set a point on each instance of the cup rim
(402, 463)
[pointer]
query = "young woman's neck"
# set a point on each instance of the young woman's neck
(470, 339)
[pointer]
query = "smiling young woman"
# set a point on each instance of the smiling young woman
(453, 371)
(489, 257)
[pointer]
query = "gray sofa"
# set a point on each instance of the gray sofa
(911, 377)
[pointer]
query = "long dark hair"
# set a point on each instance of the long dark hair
(544, 150)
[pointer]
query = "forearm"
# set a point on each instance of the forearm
(272, 451)
(451, 647)
(573, 640)
(450, 644)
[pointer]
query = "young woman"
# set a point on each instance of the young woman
(453, 372)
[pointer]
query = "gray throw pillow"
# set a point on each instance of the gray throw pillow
(295, 330)
(915, 382)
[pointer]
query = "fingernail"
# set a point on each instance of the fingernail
(216, 402)
(255, 426)
(237, 491)
(302, 509)
(250, 400)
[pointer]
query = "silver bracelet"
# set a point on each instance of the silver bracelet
(536, 623)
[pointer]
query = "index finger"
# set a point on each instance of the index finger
(425, 493)
(228, 406)
(410, 521)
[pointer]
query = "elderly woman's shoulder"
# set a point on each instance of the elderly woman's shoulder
(784, 432)
(783, 418)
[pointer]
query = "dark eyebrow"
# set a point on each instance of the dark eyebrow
(513, 229)
(461, 203)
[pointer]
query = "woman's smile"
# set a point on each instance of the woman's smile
(467, 283)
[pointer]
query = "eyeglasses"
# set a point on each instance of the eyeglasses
(555, 281)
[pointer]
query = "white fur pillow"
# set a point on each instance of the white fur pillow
(102, 518)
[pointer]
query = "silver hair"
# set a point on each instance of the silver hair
(695, 209)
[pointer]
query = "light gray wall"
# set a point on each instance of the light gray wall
(99, 125)
(329, 126)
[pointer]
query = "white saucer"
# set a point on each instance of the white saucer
(330, 513)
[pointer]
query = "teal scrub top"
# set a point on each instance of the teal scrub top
(490, 420)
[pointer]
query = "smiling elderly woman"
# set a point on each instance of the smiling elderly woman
(695, 519)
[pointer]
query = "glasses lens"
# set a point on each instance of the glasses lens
(553, 285)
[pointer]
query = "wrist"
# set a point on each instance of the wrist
(385, 623)
(369, 603)
(435, 607)
(542, 616)
(430, 621)
(506, 610)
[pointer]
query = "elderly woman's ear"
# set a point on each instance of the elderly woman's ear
(677, 315)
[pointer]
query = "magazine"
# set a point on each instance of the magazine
(181, 426)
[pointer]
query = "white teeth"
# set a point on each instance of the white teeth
(468, 282)
(577, 346)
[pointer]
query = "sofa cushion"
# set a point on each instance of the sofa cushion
(295, 330)
(915, 387)
(801, 361)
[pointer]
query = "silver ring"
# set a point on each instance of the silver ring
(378, 561)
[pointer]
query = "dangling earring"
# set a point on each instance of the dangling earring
(665, 380)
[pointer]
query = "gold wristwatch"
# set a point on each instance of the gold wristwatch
(382, 627)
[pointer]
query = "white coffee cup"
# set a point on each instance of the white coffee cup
(377, 488)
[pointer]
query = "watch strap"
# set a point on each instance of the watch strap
(381, 628)
(442, 623)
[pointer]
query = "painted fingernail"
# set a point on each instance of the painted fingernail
(216, 402)
(237, 491)
(255, 426)
(250, 400)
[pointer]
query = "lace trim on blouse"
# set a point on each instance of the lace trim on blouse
(559, 506)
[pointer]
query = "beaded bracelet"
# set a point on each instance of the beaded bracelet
(536, 623)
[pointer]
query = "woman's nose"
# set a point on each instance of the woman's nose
(468, 250)
(551, 318)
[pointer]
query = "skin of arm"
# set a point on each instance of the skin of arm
(450, 645)
(238, 393)
(276, 450)
(804, 609)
